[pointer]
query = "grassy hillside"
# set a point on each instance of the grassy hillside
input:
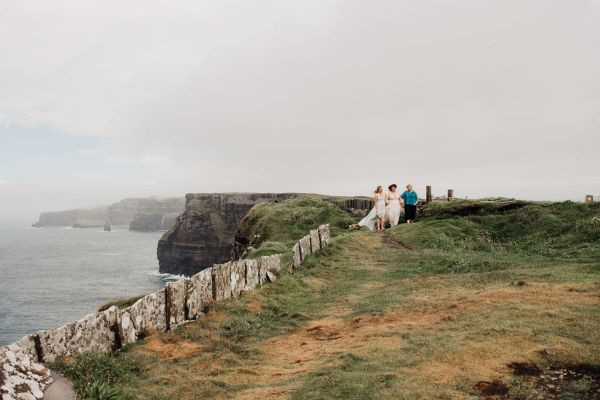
(477, 300)
(272, 228)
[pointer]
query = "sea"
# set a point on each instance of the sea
(51, 276)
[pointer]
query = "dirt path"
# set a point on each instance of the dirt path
(313, 346)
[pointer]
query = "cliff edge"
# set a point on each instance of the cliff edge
(204, 233)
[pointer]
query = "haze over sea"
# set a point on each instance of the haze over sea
(50, 276)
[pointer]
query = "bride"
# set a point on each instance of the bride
(393, 201)
(377, 214)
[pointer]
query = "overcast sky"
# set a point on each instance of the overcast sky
(101, 100)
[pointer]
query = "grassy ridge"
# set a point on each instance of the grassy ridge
(436, 309)
(272, 228)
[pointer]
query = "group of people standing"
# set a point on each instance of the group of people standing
(388, 206)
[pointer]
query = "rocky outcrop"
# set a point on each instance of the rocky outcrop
(204, 234)
(144, 214)
(20, 376)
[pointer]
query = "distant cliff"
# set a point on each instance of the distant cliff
(75, 218)
(144, 214)
(204, 234)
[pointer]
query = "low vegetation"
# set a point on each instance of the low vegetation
(120, 303)
(272, 228)
(97, 376)
(491, 299)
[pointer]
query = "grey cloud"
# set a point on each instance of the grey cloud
(490, 97)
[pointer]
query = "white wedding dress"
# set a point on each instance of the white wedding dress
(377, 212)
(392, 210)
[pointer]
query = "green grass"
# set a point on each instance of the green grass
(449, 301)
(97, 376)
(120, 303)
(274, 227)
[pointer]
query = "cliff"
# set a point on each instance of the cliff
(79, 218)
(145, 214)
(125, 212)
(204, 234)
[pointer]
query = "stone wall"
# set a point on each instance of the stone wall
(163, 310)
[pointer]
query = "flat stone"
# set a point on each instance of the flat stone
(176, 295)
(315, 241)
(222, 281)
(252, 275)
(324, 235)
(144, 316)
(237, 279)
(20, 376)
(296, 257)
(305, 249)
(94, 332)
(200, 293)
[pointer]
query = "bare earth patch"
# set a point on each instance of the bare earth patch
(311, 347)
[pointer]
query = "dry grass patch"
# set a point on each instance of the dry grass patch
(163, 346)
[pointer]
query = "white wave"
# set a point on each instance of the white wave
(166, 277)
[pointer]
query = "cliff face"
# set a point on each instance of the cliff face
(81, 218)
(204, 234)
(126, 211)
(146, 214)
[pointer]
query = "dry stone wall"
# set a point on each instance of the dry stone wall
(163, 310)
(317, 239)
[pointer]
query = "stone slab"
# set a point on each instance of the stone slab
(315, 241)
(305, 249)
(272, 263)
(94, 332)
(262, 272)
(20, 376)
(176, 300)
(252, 275)
(324, 235)
(200, 293)
(221, 281)
(237, 279)
(144, 316)
(296, 256)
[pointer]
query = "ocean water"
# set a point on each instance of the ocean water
(51, 276)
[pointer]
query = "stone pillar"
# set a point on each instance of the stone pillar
(450, 194)
(428, 196)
